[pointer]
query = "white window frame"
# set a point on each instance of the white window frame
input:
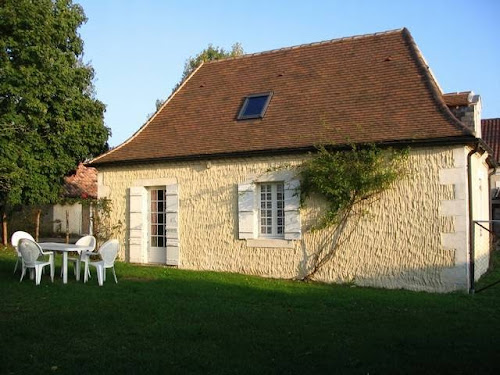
(271, 207)
(160, 224)
(139, 208)
(248, 209)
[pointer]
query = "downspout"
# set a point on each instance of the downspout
(493, 171)
(490, 206)
(472, 236)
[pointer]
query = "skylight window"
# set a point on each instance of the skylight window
(254, 106)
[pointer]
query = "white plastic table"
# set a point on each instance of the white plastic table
(64, 248)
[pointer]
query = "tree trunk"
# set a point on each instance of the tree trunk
(67, 227)
(37, 224)
(4, 229)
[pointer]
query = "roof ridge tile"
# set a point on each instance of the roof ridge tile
(305, 45)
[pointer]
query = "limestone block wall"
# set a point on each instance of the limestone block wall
(481, 211)
(455, 207)
(415, 236)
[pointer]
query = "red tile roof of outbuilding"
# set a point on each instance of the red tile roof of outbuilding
(82, 184)
(490, 129)
(370, 88)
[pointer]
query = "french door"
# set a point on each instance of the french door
(157, 241)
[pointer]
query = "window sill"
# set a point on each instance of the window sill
(270, 242)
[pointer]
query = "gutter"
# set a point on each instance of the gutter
(472, 236)
(430, 142)
(493, 171)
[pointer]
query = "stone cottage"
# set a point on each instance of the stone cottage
(199, 186)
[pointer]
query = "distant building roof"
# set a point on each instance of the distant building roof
(454, 99)
(363, 89)
(82, 184)
(490, 129)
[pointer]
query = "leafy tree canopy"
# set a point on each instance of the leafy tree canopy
(208, 54)
(50, 119)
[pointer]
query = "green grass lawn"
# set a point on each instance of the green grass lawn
(167, 321)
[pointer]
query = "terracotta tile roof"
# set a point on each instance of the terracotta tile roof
(455, 99)
(490, 129)
(82, 184)
(371, 88)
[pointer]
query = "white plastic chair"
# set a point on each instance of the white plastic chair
(108, 253)
(31, 253)
(14, 240)
(84, 241)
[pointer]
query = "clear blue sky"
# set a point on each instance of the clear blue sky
(138, 47)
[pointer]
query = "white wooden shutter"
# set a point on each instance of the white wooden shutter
(292, 213)
(172, 224)
(247, 225)
(137, 229)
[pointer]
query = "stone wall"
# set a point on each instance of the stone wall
(415, 236)
(481, 211)
(470, 114)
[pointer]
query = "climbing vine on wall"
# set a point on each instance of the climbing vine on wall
(101, 208)
(349, 180)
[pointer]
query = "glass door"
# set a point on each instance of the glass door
(157, 240)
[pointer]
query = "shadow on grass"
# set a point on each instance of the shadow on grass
(165, 320)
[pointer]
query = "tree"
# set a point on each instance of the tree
(349, 181)
(208, 54)
(50, 119)
(158, 104)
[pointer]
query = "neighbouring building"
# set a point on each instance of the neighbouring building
(77, 188)
(200, 185)
(490, 129)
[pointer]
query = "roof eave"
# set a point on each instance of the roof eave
(430, 142)
(106, 154)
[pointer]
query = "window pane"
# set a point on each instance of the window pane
(271, 209)
(255, 106)
(157, 218)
